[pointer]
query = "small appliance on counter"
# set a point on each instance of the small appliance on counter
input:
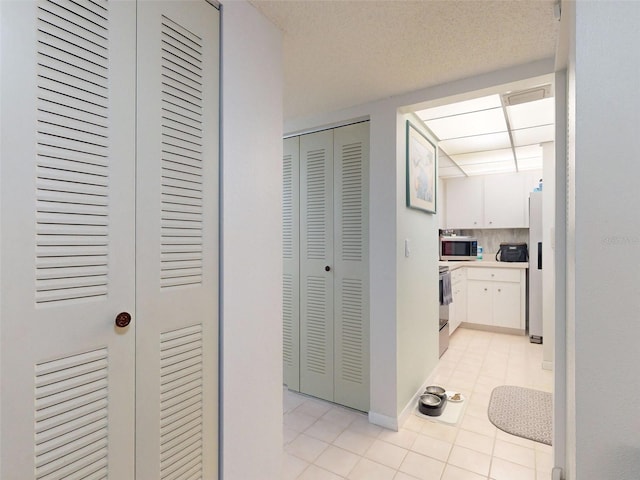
(512, 252)
(458, 248)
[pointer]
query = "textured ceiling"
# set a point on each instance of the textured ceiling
(342, 53)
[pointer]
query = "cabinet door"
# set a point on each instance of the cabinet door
(464, 202)
(291, 263)
(507, 305)
(177, 236)
(504, 202)
(461, 300)
(351, 266)
(67, 256)
(479, 303)
(316, 264)
(454, 317)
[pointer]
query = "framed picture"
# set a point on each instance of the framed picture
(421, 171)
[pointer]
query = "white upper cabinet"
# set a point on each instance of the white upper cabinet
(504, 202)
(464, 197)
(490, 201)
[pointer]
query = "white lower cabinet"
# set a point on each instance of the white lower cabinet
(496, 297)
(458, 309)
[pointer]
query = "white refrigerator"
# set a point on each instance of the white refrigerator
(535, 267)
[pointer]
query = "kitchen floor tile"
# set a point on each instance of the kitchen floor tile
(386, 454)
(454, 473)
(370, 470)
(354, 442)
(341, 416)
(515, 453)
(317, 473)
(475, 441)
(324, 430)
(440, 431)
(505, 470)
(432, 447)
(471, 460)
(288, 434)
(402, 438)
(298, 421)
(292, 466)
(363, 426)
(314, 408)
(306, 448)
(404, 476)
(337, 460)
(424, 468)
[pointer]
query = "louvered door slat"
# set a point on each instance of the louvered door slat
(291, 263)
(182, 188)
(316, 253)
(351, 292)
(73, 145)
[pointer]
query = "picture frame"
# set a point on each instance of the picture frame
(421, 171)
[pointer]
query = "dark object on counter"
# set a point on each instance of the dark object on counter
(431, 405)
(512, 252)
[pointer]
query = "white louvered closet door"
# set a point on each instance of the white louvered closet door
(291, 262)
(316, 264)
(177, 241)
(351, 276)
(67, 253)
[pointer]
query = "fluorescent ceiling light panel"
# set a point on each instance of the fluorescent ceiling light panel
(530, 151)
(532, 114)
(533, 136)
(474, 105)
(532, 163)
(493, 156)
(488, 168)
(479, 143)
(469, 124)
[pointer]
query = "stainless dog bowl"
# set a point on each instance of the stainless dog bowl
(430, 404)
(436, 390)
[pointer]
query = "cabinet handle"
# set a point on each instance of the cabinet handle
(327, 268)
(485, 289)
(499, 289)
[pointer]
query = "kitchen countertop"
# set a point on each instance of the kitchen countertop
(455, 264)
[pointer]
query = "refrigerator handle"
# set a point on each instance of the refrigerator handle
(539, 255)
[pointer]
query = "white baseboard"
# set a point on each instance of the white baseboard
(390, 423)
(393, 423)
(547, 365)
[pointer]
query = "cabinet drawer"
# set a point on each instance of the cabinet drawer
(458, 275)
(494, 274)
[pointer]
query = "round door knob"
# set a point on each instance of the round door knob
(123, 319)
(327, 268)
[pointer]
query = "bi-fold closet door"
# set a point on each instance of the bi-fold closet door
(108, 205)
(326, 265)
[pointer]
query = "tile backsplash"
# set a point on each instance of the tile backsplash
(490, 239)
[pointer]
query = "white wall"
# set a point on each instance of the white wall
(604, 232)
(251, 265)
(397, 355)
(417, 282)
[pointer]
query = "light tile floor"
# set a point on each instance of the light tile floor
(323, 441)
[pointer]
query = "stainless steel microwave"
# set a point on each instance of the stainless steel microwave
(458, 248)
